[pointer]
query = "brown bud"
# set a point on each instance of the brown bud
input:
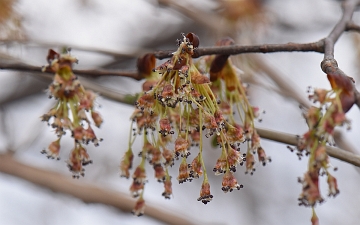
(200, 79)
(217, 65)
(52, 55)
(194, 39)
(339, 80)
(146, 64)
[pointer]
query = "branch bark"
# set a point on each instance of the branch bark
(240, 49)
(348, 10)
(293, 140)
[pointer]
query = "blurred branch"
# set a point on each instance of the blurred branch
(293, 140)
(94, 73)
(34, 43)
(88, 193)
(286, 85)
(102, 90)
(203, 17)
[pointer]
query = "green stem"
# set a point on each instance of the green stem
(73, 109)
(201, 147)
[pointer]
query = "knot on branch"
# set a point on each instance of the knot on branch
(329, 65)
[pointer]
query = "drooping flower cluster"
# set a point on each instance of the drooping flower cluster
(178, 107)
(322, 120)
(70, 113)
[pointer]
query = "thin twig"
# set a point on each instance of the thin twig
(239, 49)
(293, 140)
(88, 193)
(109, 93)
(130, 53)
(93, 72)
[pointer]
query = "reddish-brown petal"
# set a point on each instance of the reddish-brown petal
(97, 118)
(159, 172)
(126, 163)
(250, 162)
(205, 195)
(220, 166)
(181, 147)
(139, 208)
(333, 187)
(139, 174)
(78, 133)
(168, 156)
(184, 173)
(196, 170)
(229, 182)
(167, 188)
(200, 79)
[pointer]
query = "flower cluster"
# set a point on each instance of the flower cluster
(178, 108)
(70, 113)
(322, 120)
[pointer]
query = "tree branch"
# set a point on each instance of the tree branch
(239, 49)
(348, 10)
(109, 93)
(88, 193)
(92, 72)
(293, 140)
(41, 44)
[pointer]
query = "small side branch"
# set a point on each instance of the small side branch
(91, 72)
(293, 140)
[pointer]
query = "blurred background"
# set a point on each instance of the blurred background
(111, 35)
